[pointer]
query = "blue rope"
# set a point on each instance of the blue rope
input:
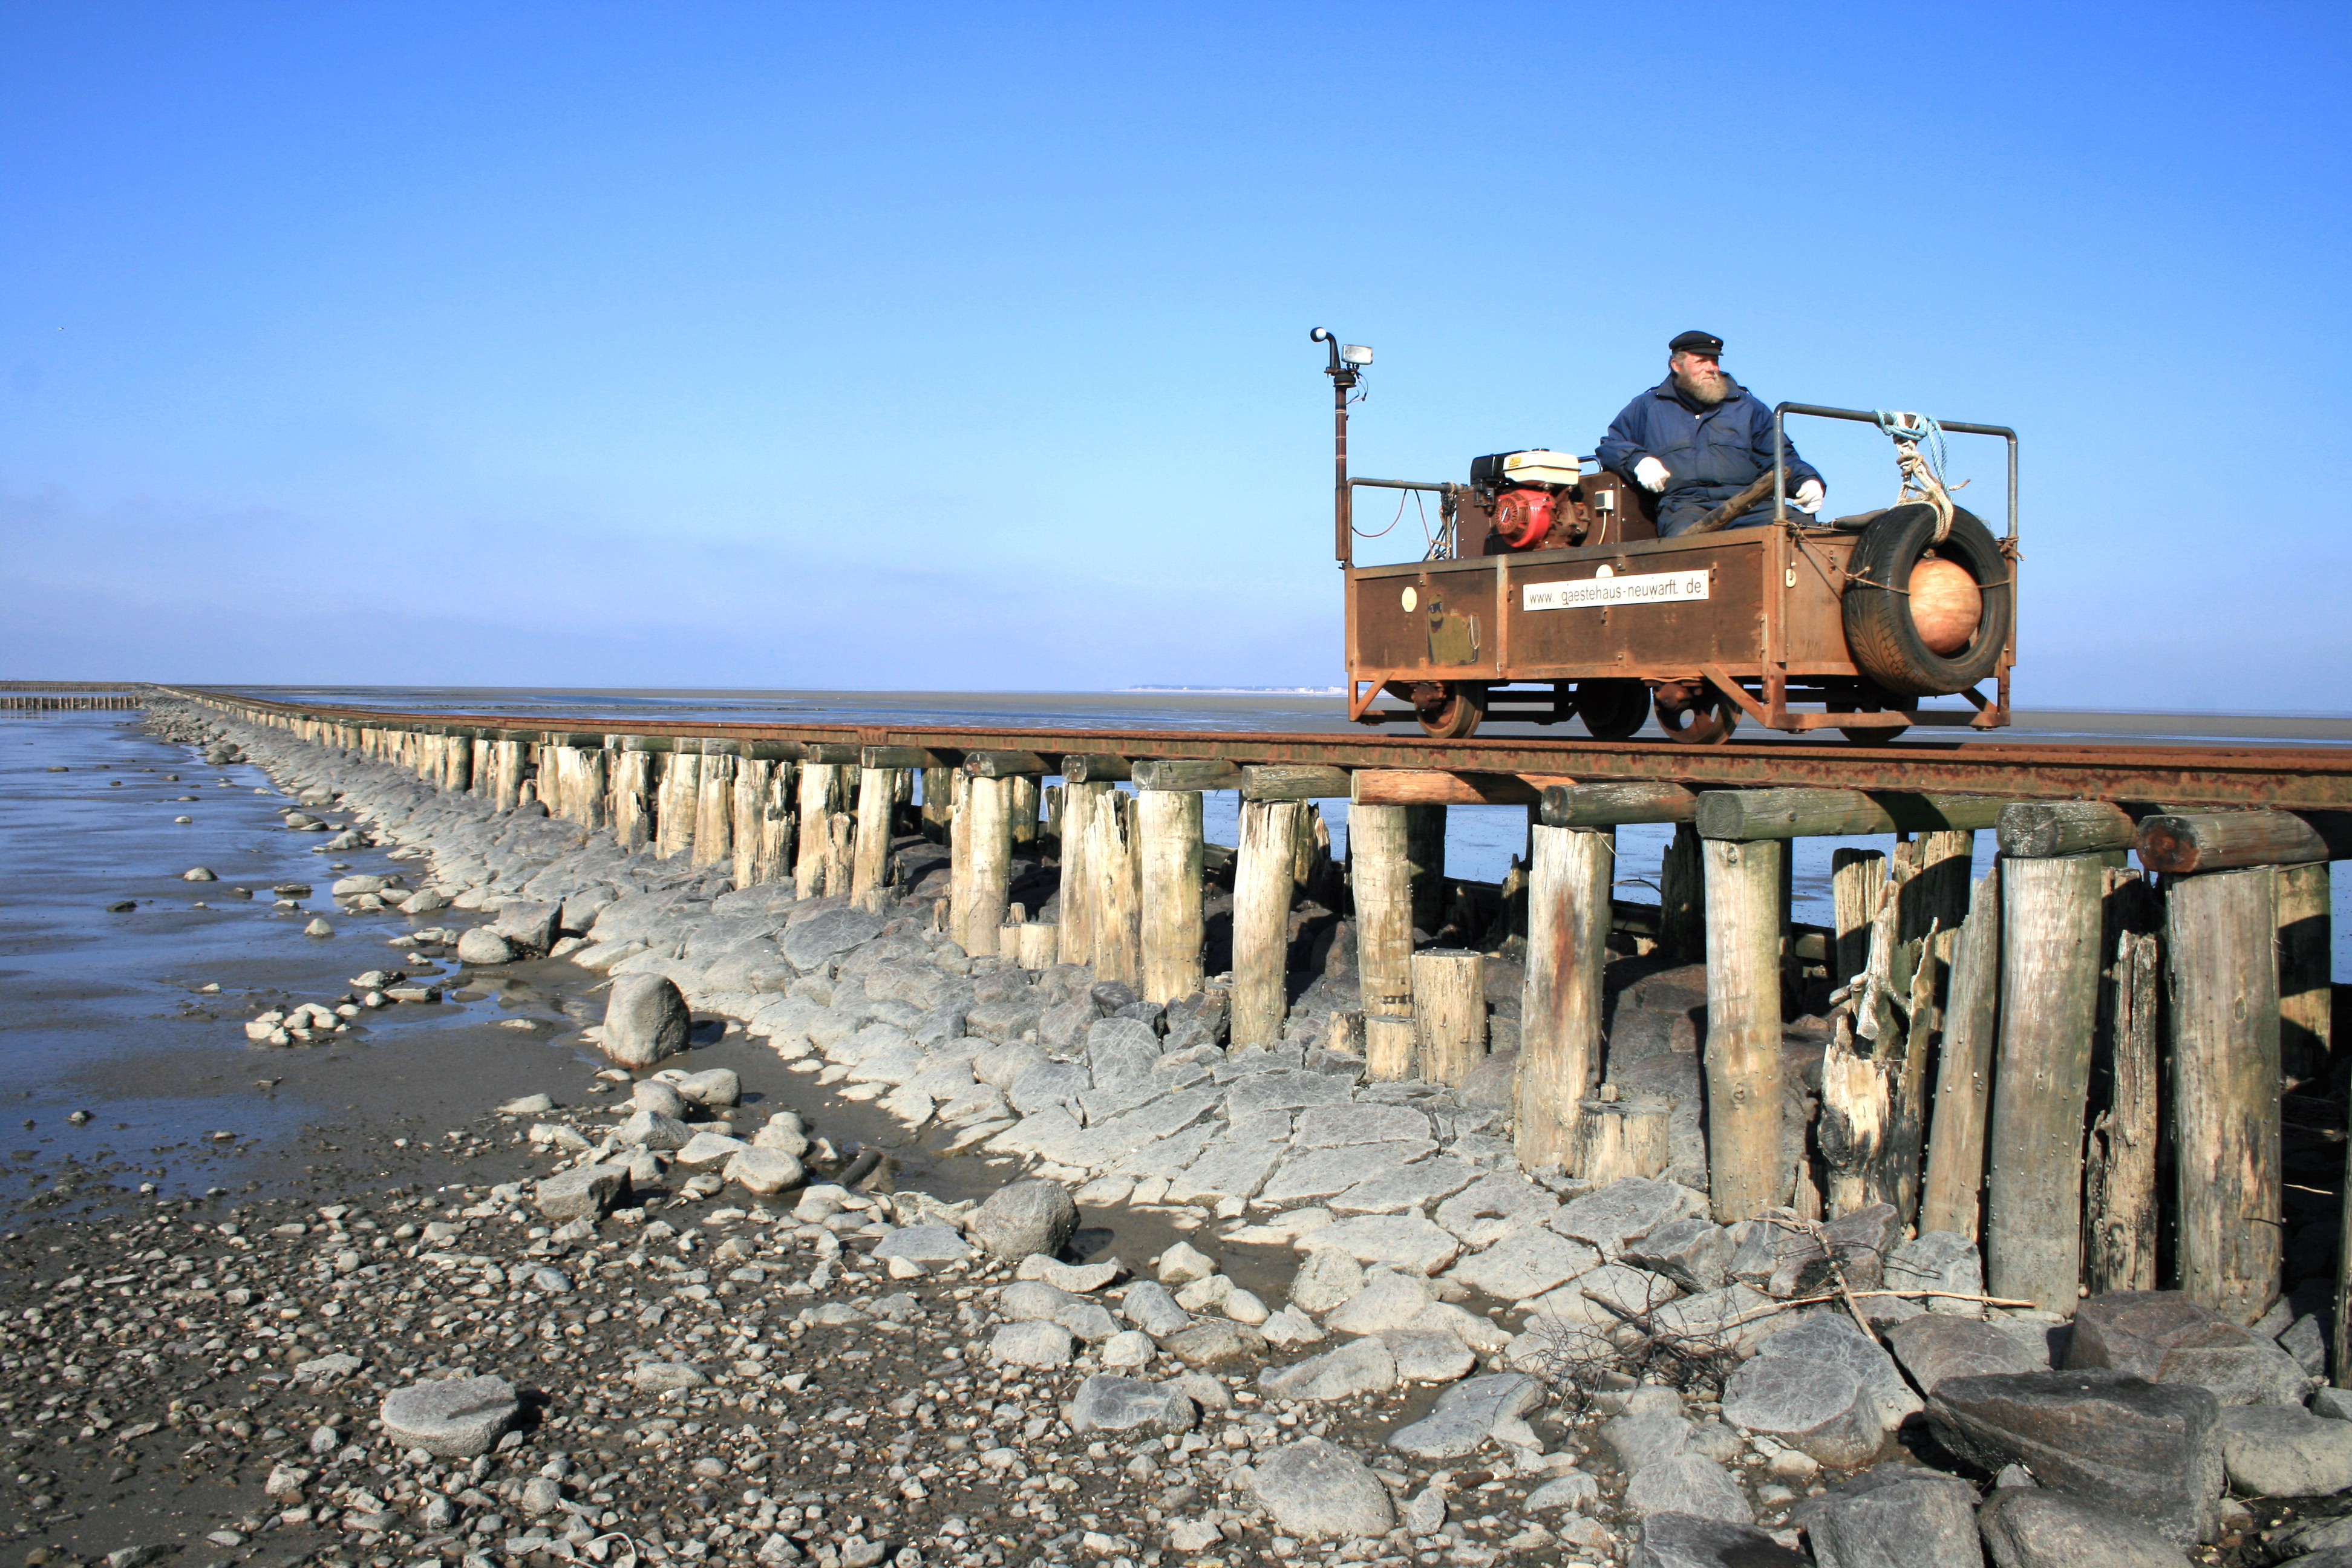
(1926, 431)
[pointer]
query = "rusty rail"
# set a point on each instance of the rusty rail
(2282, 778)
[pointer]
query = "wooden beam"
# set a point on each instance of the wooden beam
(2043, 829)
(1288, 781)
(2178, 845)
(832, 753)
(1613, 804)
(1188, 773)
(1004, 765)
(1748, 814)
(1094, 767)
(1434, 786)
(906, 757)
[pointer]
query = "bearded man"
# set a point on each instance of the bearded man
(1697, 439)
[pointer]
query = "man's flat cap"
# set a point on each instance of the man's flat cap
(1706, 343)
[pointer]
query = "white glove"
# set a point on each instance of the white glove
(1652, 473)
(1809, 496)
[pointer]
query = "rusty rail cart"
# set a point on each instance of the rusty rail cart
(1547, 593)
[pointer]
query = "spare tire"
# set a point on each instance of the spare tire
(1879, 632)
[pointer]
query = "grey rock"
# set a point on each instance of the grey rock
(764, 1171)
(1359, 1366)
(1929, 1521)
(1694, 1252)
(1319, 1491)
(1047, 1084)
(928, 1246)
(809, 943)
(529, 925)
(651, 1129)
(2306, 1340)
(1032, 1343)
(1106, 1404)
(1832, 1338)
(1466, 1414)
(1689, 1483)
(1574, 1489)
(1330, 1126)
(1121, 1051)
(2026, 1527)
(585, 1192)
(481, 945)
(1622, 1211)
(1324, 1280)
(1492, 1084)
(715, 1089)
(2149, 1450)
(1932, 1349)
(645, 1019)
(1526, 1263)
(1691, 1540)
(1199, 1019)
(1406, 1240)
(1148, 1305)
(1938, 1260)
(542, 1494)
(1486, 1211)
(454, 1418)
(1859, 1243)
(1025, 1217)
(1651, 1429)
(1007, 1020)
(1282, 1091)
(1815, 1406)
(661, 1099)
(1028, 1300)
(1216, 1343)
(1391, 1299)
(1429, 1355)
(662, 1376)
(1406, 1188)
(2284, 1451)
(2335, 1404)
(1000, 1066)
(2164, 1337)
(1063, 1026)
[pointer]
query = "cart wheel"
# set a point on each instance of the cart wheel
(1703, 717)
(1612, 710)
(1455, 714)
(1864, 735)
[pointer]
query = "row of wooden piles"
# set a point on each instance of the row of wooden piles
(2023, 1058)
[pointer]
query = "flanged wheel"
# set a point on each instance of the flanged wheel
(1696, 714)
(1864, 734)
(1612, 710)
(1450, 711)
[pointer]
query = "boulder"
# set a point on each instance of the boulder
(1652, 1428)
(527, 925)
(651, 1130)
(1691, 1540)
(1623, 1211)
(1028, 1300)
(1689, 1483)
(481, 945)
(1105, 1403)
(1216, 1343)
(1324, 1280)
(1391, 1299)
(1024, 1218)
(1466, 1414)
(1898, 1516)
(2152, 1451)
(661, 1099)
(1938, 1260)
(1525, 1263)
(812, 943)
(645, 1019)
(1317, 1490)
(1428, 1355)
(1407, 1240)
(2165, 1337)
(1694, 1252)
(1933, 1348)
(1032, 1343)
(1148, 1305)
(926, 1246)
(1859, 1243)
(1815, 1406)
(1359, 1366)
(764, 1171)
(585, 1192)
(1832, 1338)
(454, 1418)
(2284, 1451)
(2028, 1527)
(709, 1149)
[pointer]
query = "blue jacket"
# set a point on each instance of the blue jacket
(1710, 454)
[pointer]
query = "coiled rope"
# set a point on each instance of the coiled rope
(1923, 479)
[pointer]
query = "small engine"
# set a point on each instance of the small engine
(1526, 489)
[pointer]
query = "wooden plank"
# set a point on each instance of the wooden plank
(1754, 814)
(1188, 773)
(2219, 928)
(1286, 781)
(1612, 804)
(2181, 844)
(2039, 829)
(1743, 1079)
(2051, 925)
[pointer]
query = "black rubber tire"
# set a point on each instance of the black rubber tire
(1612, 710)
(1885, 645)
(1458, 718)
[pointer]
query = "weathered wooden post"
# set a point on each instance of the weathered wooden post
(1950, 1196)
(939, 803)
(1113, 866)
(634, 791)
(869, 872)
(680, 800)
(1081, 796)
(753, 777)
(1380, 873)
(988, 816)
(1745, 1169)
(1025, 812)
(1682, 898)
(1261, 891)
(714, 809)
(1449, 1010)
(2119, 1200)
(1424, 841)
(2050, 924)
(778, 819)
(1038, 945)
(1857, 891)
(825, 793)
(2305, 917)
(1170, 823)
(506, 772)
(595, 763)
(1560, 1008)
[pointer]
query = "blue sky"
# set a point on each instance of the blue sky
(913, 346)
